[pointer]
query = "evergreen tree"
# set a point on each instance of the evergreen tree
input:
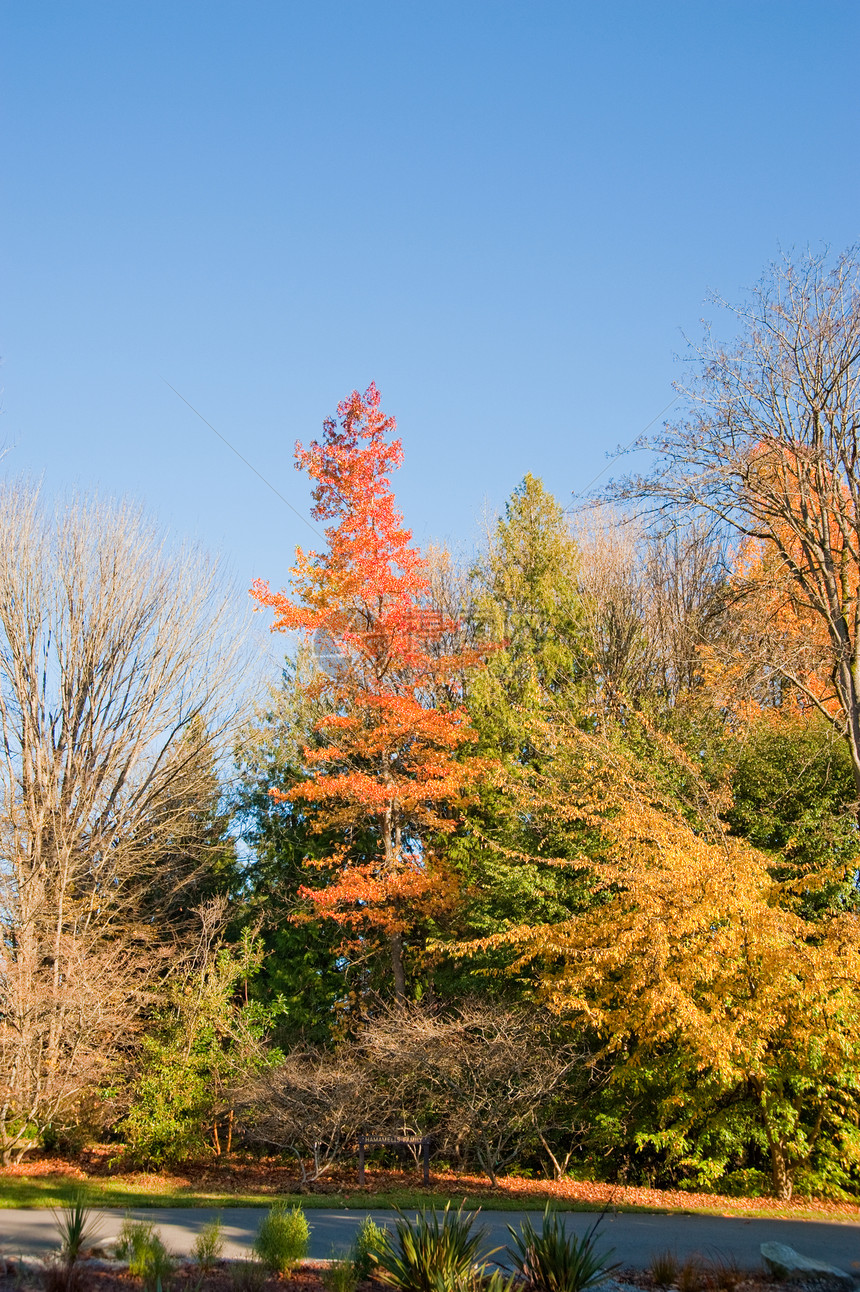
(301, 963)
(793, 797)
(524, 591)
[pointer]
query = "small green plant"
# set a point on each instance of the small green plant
(433, 1253)
(77, 1229)
(664, 1268)
(158, 1266)
(208, 1245)
(555, 1261)
(282, 1239)
(369, 1241)
(140, 1244)
(134, 1238)
(247, 1276)
(340, 1276)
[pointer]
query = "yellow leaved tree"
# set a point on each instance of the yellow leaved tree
(689, 945)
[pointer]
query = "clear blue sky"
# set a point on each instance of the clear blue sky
(503, 213)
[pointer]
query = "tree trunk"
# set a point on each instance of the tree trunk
(850, 698)
(391, 846)
(779, 1170)
(396, 944)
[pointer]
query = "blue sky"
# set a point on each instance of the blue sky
(504, 214)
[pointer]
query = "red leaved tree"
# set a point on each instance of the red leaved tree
(390, 759)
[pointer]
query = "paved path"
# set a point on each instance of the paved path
(635, 1237)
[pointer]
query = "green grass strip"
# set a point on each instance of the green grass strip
(33, 1192)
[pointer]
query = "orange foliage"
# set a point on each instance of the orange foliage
(390, 752)
(796, 594)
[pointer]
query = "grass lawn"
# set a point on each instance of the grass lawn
(222, 1183)
(45, 1192)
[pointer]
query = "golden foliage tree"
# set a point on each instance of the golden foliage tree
(690, 944)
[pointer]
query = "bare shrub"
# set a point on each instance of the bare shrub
(483, 1080)
(313, 1106)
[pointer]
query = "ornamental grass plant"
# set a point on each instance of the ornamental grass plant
(77, 1229)
(556, 1261)
(664, 1268)
(435, 1252)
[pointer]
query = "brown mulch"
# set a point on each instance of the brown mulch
(186, 1279)
(308, 1279)
(728, 1278)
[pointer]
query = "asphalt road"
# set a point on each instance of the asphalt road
(635, 1237)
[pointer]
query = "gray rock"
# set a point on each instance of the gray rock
(785, 1263)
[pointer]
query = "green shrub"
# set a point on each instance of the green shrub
(431, 1253)
(282, 1239)
(158, 1266)
(171, 1105)
(555, 1261)
(133, 1242)
(209, 1244)
(366, 1246)
(184, 1059)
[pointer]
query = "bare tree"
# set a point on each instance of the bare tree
(686, 605)
(648, 603)
(770, 445)
(618, 655)
(115, 667)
